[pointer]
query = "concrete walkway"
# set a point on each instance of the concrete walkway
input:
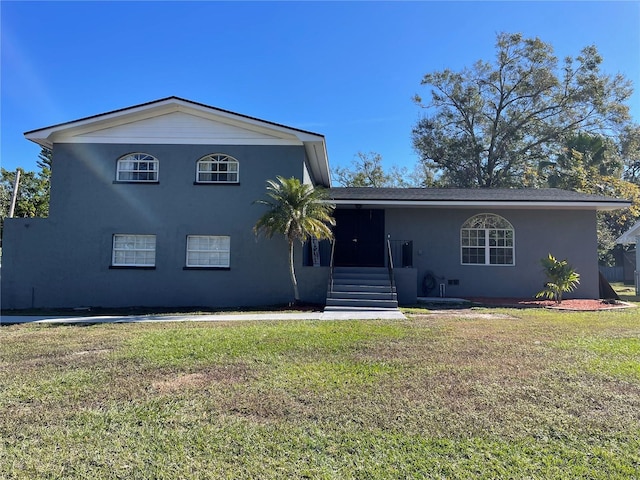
(236, 317)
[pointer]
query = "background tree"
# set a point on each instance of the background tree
(584, 162)
(367, 171)
(630, 152)
(299, 212)
(593, 164)
(33, 192)
(492, 123)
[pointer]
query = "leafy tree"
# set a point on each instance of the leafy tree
(561, 277)
(592, 164)
(367, 171)
(491, 124)
(299, 212)
(33, 193)
(583, 164)
(33, 190)
(630, 152)
(45, 160)
(614, 223)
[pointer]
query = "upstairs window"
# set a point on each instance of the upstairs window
(134, 251)
(217, 168)
(137, 167)
(487, 239)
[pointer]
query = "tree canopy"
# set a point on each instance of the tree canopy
(594, 164)
(491, 124)
(367, 171)
(33, 189)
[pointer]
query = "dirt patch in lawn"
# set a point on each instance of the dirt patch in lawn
(224, 374)
(469, 313)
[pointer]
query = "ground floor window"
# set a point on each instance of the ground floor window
(134, 250)
(208, 251)
(487, 239)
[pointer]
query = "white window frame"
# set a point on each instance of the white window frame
(217, 160)
(202, 251)
(130, 250)
(493, 233)
(135, 171)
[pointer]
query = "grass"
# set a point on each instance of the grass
(627, 293)
(524, 394)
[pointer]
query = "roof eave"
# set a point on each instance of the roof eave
(45, 137)
(630, 236)
(318, 162)
(569, 205)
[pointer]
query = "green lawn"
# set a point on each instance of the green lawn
(526, 394)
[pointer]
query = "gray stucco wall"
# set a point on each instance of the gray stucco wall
(64, 261)
(436, 248)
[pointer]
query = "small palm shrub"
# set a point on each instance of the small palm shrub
(561, 277)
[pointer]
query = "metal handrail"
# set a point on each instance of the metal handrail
(333, 248)
(390, 263)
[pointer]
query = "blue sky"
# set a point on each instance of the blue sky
(347, 70)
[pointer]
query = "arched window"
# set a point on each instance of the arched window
(217, 168)
(137, 167)
(487, 239)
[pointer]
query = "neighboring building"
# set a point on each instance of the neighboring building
(153, 205)
(631, 257)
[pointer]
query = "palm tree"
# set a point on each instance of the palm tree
(297, 211)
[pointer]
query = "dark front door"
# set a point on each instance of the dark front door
(359, 237)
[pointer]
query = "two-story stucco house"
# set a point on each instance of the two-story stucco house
(153, 205)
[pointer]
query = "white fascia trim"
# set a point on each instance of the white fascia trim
(488, 204)
(47, 136)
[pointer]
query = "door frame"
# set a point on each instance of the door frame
(360, 241)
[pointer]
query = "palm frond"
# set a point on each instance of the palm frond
(296, 210)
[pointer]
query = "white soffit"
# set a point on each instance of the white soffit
(180, 128)
(173, 118)
(176, 127)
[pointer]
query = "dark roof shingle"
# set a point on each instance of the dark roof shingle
(426, 195)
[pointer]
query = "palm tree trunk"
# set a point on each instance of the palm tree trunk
(292, 272)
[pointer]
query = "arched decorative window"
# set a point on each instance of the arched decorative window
(487, 239)
(217, 168)
(137, 167)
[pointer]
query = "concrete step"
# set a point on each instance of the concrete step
(361, 289)
(364, 303)
(370, 270)
(363, 295)
(361, 276)
(330, 308)
(347, 287)
(361, 281)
